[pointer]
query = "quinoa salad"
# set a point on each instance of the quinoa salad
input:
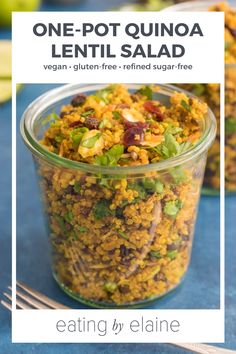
(230, 30)
(210, 93)
(122, 239)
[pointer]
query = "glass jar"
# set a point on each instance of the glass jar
(211, 94)
(120, 236)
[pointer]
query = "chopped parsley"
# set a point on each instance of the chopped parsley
(147, 92)
(111, 157)
(101, 209)
(90, 142)
(172, 207)
(186, 106)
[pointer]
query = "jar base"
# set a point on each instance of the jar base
(106, 305)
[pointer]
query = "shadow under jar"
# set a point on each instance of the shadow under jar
(210, 93)
(121, 236)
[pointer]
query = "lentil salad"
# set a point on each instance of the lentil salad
(124, 240)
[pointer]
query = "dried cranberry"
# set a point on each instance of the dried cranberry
(91, 123)
(78, 100)
(63, 114)
(150, 107)
(135, 124)
(77, 123)
(124, 289)
(133, 136)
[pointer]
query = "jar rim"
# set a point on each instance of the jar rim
(52, 97)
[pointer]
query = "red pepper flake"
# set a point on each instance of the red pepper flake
(141, 125)
(150, 107)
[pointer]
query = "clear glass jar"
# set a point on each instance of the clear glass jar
(212, 97)
(115, 234)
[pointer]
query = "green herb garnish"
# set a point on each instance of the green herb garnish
(77, 134)
(103, 94)
(105, 123)
(101, 209)
(172, 254)
(152, 185)
(58, 138)
(171, 129)
(50, 118)
(155, 254)
(198, 89)
(87, 113)
(82, 228)
(69, 217)
(116, 115)
(77, 187)
(122, 234)
(230, 125)
(172, 207)
(90, 142)
(61, 223)
(146, 91)
(170, 147)
(185, 105)
(110, 287)
(111, 157)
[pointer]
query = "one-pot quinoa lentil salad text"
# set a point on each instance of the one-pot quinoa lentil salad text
(122, 239)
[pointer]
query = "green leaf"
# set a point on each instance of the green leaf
(101, 209)
(116, 115)
(155, 254)
(69, 217)
(61, 223)
(77, 187)
(122, 234)
(179, 175)
(227, 45)
(184, 147)
(105, 123)
(170, 146)
(198, 89)
(50, 118)
(103, 94)
(185, 105)
(58, 138)
(152, 185)
(111, 157)
(82, 229)
(171, 129)
(172, 207)
(77, 134)
(87, 113)
(146, 91)
(230, 125)
(172, 254)
(90, 142)
(110, 287)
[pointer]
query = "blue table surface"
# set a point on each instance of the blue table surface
(200, 288)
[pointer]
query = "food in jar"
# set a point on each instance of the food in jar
(122, 238)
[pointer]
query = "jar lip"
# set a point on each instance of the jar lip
(51, 97)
